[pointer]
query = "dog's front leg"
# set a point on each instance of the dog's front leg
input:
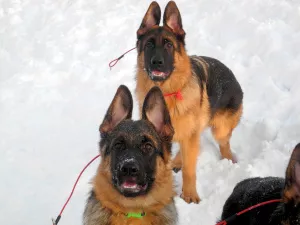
(177, 162)
(189, 150)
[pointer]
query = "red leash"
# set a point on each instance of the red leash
(115, 61)
(224, 222)
(55, 222)
(231, 218)
(177, 95)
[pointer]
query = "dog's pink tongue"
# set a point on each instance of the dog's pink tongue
(158, 73)
(129, 184)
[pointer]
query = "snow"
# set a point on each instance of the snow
(55, 87)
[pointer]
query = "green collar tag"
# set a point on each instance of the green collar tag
(136, 215)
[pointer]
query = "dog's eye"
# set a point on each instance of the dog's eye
(168, 43)
(148, 147)
(119, 146)
(150, 44)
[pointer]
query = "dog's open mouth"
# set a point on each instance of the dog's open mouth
(158, 75)
(130, 187)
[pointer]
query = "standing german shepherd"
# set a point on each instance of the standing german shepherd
(255, 190)
(134, 184)
(211, 95)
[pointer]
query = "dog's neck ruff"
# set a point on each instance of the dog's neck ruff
(177, 95)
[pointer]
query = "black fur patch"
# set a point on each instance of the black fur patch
(223, 90)
(251, 192)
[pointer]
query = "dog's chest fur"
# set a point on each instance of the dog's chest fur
(95, 214)
(207, 86)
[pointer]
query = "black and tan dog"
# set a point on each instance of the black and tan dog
(134, 183)
(256, 190)
(201, 91)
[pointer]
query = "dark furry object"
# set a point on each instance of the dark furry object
(255, 190)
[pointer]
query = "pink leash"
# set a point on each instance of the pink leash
(115, 61)
(55, 222)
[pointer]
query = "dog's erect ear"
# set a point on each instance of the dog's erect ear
(151, 18)
(292, 182)
(119, 109)
(155, 110)
(172, 19)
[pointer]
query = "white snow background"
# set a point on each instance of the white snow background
(55, 87)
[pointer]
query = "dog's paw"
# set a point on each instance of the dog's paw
(177, 163)
(176, 169)
(234, 159)
(190, 197)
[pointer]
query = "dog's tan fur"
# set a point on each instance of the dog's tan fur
(189, 117)
(109, 207)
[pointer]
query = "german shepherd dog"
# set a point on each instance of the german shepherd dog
(255, 190)
(134, 184)
(210, 94)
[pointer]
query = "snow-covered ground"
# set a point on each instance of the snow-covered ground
(55, 86)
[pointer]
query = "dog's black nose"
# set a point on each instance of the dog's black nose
(157, 60)
(130, 169)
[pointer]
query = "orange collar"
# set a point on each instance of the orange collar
(177, 95)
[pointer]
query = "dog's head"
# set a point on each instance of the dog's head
(133, 148)
(158, 45)
(291, 195)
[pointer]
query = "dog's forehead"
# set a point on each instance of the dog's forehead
(163, 31)
(136, 128)
(158, 32)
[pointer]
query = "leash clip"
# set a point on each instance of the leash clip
(53, 221)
